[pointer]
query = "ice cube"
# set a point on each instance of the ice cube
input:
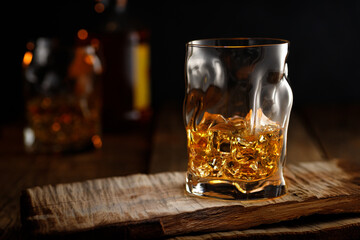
(209, 120)
(222, 142)
(259, 119)
(232, 169)
(238, 122)
(223, 127)
(216, 165)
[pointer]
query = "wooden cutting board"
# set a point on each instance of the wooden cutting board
(148, 206)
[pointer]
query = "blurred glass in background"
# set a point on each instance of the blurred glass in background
(62, 93)
(67, 107)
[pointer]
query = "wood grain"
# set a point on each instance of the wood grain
(158, 206)
(19, 170)
(340, 226)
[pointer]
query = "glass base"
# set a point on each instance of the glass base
(236, 190)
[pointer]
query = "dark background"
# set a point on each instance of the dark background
(324, 36)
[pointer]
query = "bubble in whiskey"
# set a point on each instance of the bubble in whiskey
(228, 148)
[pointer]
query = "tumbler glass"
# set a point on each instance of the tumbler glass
(62, 96)
(236, 113)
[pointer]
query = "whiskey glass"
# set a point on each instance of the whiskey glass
(62, 90)
(236, 112)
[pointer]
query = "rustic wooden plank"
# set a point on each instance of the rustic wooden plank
(341, 226)
(159, 204)
(19, 170)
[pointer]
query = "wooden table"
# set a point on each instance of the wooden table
(316, 133)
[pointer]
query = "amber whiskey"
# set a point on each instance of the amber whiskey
(232, 149)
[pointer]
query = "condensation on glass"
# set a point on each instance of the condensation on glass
(62, 96)
(236, 113)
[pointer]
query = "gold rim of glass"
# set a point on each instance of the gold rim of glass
(236, 42)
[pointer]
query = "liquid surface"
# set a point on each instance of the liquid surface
(229, 148)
